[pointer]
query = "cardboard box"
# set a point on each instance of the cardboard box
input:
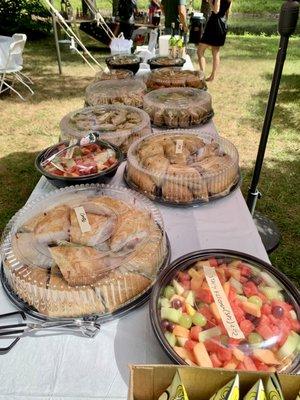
(147, 382)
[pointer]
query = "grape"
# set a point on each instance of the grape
(253, 319)
(199, 319)
(165, 325)
(185, 321)
(171, 327)
(176, 303)
(277, 311)
(254, 338)
(245, 347)
(169, 292)
(255, 300)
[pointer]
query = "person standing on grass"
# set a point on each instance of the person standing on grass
(214, 34)
(174, 11)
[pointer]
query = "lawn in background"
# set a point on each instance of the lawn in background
(239, 98)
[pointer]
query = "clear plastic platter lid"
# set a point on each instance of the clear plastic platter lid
(120, 125)
(123, 91)
(113, 74)
(224, 309)
(178, 107)
(82, 250)
(182, 168)
(175, 77)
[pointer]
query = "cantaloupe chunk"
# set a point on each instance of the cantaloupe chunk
(266, 356)
(201, 264)
(226, 288)
(196, 283)
(238, 354)
(235, 273)
(195, 274)
(185, 354)
(251, 308)
(181, 331)
(214, 309)
(201, 355)
(234, 263)
(231, 364)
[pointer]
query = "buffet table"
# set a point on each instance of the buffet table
(70, 367)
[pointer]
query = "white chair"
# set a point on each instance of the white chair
(12, 63)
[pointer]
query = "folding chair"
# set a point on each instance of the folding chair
(13, 64)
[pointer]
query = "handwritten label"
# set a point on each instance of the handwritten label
(179, 146)
(82, 219)
(70, 151)
(222, 303)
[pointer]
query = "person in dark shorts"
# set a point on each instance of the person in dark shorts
(126, 11)
(174, 11)
(214, 34)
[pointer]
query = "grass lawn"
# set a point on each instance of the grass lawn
(239, 95)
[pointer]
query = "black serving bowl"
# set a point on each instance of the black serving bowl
(62, 181)
(156, 62)
(290, 295)
(129, 62)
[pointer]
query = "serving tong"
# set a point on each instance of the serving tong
(87, 328)
(91, 137)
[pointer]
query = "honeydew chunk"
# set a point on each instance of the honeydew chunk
(272, 293)
(209, 333)
(164, 302)
(270, 281)
(201, 264)
(170, 314)
(190, 298)
(236, 285)
(195, 274)
(170, 338)
(181, 341)
(242, 298)
(290, 345)
(178, 288)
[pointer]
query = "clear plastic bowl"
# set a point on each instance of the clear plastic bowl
(120, 125)
(258, 330)
(178, 107)
(128, 92)
(182, 168)
(53, 268)
(175, 77)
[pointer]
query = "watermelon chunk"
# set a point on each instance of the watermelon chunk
(204, 295)
(265, 331)
(249, 364)
(190, 344)
(224, 354)
(246, 327)
(215, 360)
(194, 332)
(250, 289)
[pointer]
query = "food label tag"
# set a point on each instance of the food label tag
(82, 219)
(179, 146)
(222, 303)
(70, 151)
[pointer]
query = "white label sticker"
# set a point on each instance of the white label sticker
(222, 303)
(82, 219)
(70, 151)
(179, 146)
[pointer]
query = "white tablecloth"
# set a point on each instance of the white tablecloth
(69, 367)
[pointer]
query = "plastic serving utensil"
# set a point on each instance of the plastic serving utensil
(88, 139)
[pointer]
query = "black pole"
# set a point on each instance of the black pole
(286, 27)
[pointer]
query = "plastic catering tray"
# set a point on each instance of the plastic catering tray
(182, 168)
(178, 107)
(175, 77)
(120, 125)
(83, 250)
(120, 91)
(225, 309)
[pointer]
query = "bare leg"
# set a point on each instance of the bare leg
(201, 50)
(216, 62)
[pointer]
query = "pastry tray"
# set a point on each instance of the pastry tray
(195, 203)
(125, 285)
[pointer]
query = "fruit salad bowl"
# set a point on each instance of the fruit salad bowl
(225, 309)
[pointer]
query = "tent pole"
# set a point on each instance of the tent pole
(56, 41)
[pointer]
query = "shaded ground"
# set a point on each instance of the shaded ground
(239, 95)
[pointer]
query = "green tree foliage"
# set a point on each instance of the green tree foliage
(20, 16)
